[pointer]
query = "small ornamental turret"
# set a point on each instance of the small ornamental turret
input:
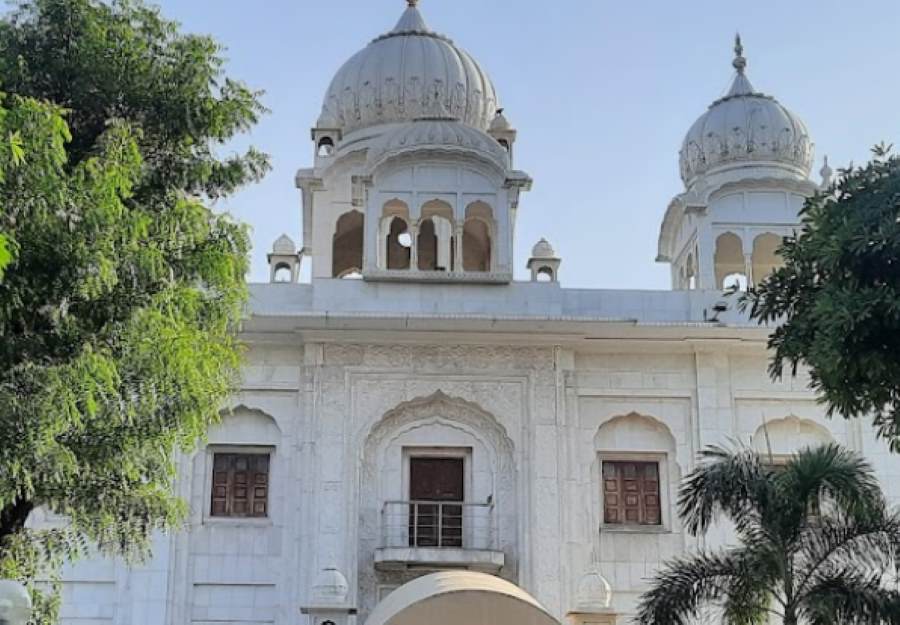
(329, 599)
(501, 130)
(544, 263)
(284, 261)
(593, 600)
(326, 136)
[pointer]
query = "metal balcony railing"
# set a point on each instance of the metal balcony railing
(438, 525)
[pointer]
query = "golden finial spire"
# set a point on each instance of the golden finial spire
(739, 61)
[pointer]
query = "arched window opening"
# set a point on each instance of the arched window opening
(399, 244)
(427, 246)
(765, 255)
(283, 273)
(545, 274)
(395, 249)
(729, 257)
(505, 144)
(735, 282)
(326, 147)
(347, 244)
(477, 237)
(439, 249)
(476, 245)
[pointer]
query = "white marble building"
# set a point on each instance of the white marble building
(413, 409)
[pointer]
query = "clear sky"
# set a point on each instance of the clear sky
(601, 92)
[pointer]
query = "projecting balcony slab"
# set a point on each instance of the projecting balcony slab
(401, 558)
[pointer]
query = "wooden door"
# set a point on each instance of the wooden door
(439, 480)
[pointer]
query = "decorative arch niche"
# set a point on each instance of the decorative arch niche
(636, 437)
(435, 422)
(243, 425)
(788, 435)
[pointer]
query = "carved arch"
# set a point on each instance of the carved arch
(442, 412)
(789, 435)
(442, 406)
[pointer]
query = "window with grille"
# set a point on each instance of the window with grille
(631, 493)
(240, 485)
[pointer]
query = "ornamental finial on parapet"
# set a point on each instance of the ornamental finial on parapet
(739, 61)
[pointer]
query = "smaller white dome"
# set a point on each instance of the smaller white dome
(543, 249)
(327, 120)
(745, 129)
(594, 592)
(500, 123)
(284, 245)
(441, 134)
(331, 587)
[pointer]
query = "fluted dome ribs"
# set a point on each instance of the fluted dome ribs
(408, 73)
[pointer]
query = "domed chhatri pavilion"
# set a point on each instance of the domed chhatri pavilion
(420, 439)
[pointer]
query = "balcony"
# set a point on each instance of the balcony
(438, 535)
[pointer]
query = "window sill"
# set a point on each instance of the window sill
(635, 529)
(237, 522)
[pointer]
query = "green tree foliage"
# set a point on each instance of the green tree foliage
(837, 298)
(120, 303)
(816, 544)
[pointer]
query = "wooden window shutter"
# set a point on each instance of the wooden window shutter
(631, 493)
(240, 485)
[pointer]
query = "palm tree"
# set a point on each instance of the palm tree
(817, 544)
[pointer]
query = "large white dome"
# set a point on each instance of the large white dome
(746, 128)
(406, 74)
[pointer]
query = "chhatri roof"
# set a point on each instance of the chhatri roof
(401, 75)
(746, 128)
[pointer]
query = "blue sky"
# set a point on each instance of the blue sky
(601, 93)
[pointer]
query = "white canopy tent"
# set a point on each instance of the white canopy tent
(456, 597)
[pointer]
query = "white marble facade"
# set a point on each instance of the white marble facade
(429, 348)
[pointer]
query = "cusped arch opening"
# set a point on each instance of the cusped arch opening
(728, 258)
(786, 436)
(347, 244)
(766, 258)
(634, 432)
(243, 425)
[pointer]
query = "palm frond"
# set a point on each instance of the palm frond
(832, 475)
(851, 598)
(686, 585)
(868, 544)
(732, 483)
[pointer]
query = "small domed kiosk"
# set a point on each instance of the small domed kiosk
(456, 597)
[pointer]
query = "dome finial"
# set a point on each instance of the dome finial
(412, 4)
(739, 61)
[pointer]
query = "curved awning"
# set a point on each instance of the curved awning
(454, 597)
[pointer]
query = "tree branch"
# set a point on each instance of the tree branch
(13, 518)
